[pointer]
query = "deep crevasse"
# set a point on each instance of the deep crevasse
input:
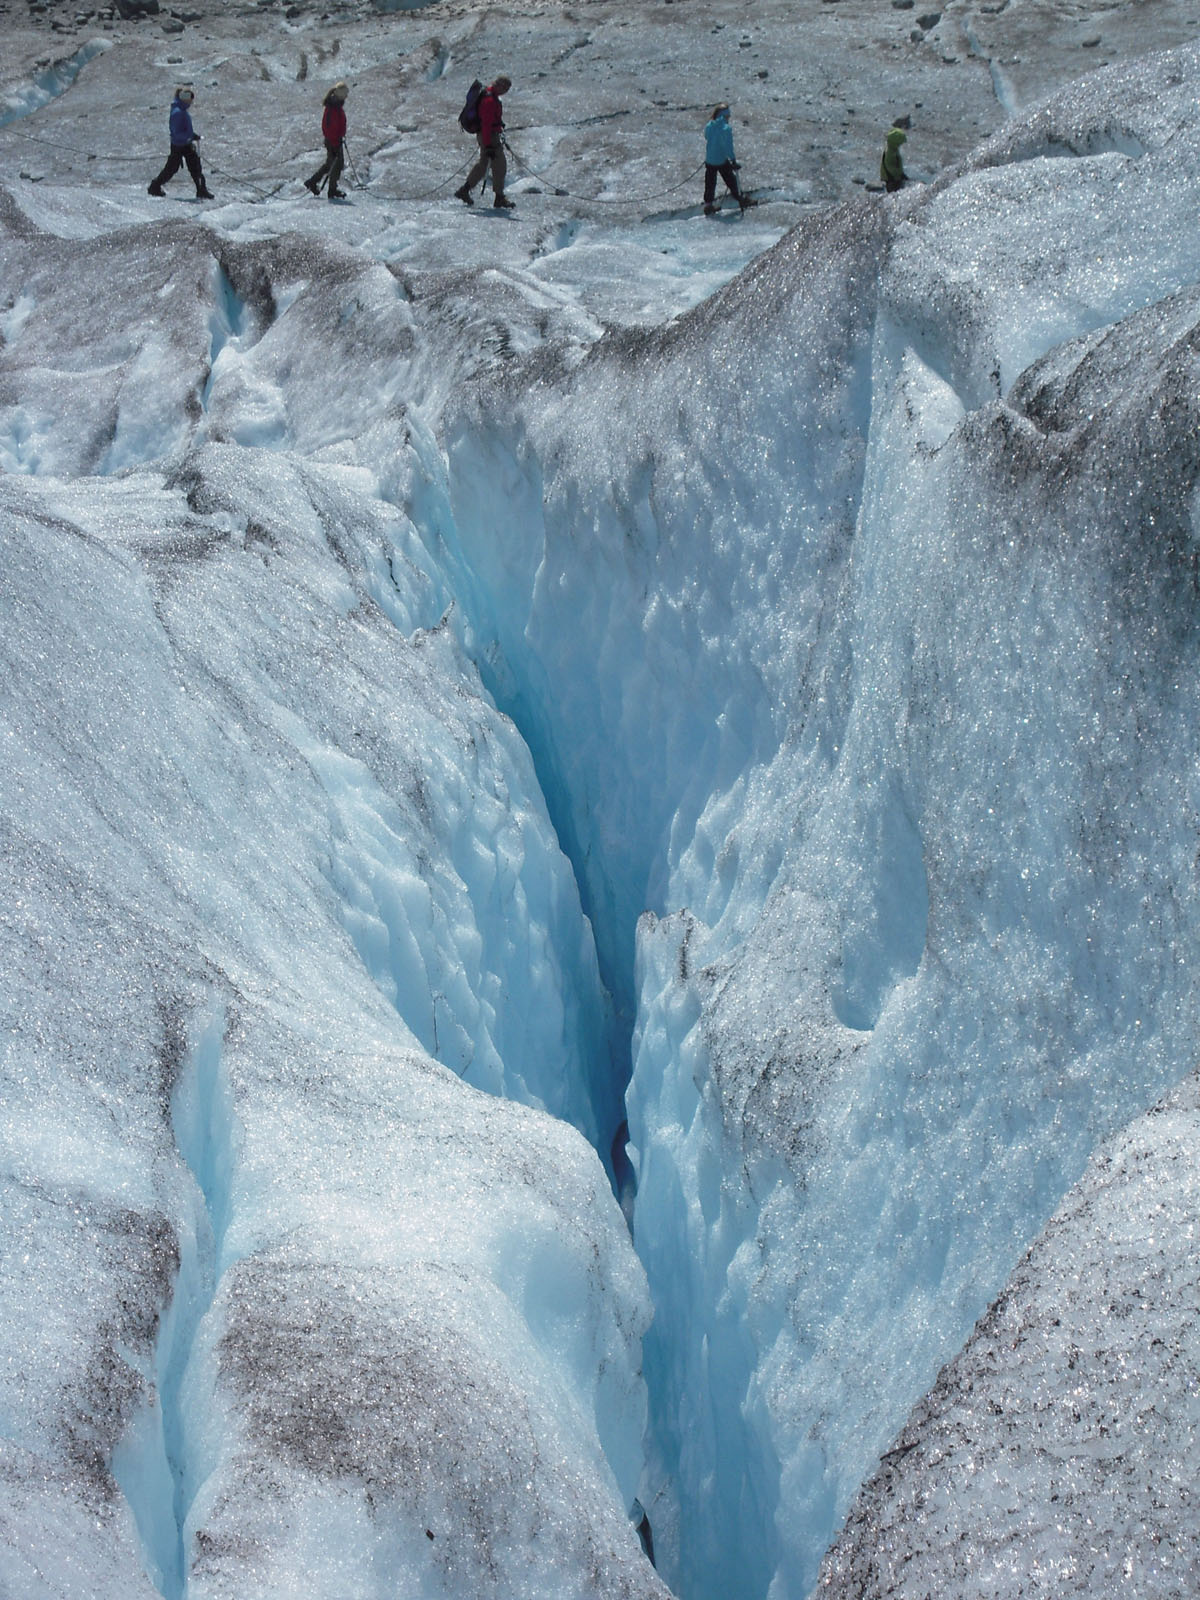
(850, 622)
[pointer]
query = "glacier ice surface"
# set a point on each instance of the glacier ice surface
(415, 685)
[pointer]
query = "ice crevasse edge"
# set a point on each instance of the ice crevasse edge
(861, 612)
(296, 1307)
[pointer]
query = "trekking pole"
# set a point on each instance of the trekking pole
(358, 184)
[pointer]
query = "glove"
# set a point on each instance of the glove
(195, 138)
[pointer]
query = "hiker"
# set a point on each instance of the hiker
(719, 158)
(184, 139)
(891, 167)
(491, 146)
(333, 131)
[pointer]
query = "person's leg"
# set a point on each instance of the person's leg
(174, 162)
(192, 156)
(476, 174)
(336, 162)
(499, 173)
(318, 178)
(710, 184)
(730, 177)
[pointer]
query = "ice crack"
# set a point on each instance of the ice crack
(153, 1465)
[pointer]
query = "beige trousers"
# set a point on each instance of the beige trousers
(493, 153)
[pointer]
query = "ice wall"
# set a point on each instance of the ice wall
(1052, 1456)
(850, 621)
(291, 1306)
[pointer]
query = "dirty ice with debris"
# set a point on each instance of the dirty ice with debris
(599, 806)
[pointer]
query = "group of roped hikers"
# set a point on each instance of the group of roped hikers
(486, 120)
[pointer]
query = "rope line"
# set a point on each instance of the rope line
(231, 177)
(258, 182)
(148, 159)
(427, 194)
(58, 144)
(605, 199)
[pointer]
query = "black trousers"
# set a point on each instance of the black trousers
(710, 181)
(179, 154)
(331, 168)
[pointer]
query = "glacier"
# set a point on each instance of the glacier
(1051, 1456)
(597, 839)
(905, 708)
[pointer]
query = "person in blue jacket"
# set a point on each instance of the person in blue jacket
(719, 157)
(183, 146)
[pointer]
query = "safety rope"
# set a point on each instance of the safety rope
(88, 155)
(604, 199)
(427, 194)
(262, 192)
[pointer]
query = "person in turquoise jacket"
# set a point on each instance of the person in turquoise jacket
(719, 158)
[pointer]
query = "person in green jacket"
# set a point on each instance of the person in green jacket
(891, 168)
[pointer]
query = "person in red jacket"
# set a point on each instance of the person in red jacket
(491, 146)
(333, 131)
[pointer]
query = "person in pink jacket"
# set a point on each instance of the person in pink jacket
(333, 131)
(491, 146)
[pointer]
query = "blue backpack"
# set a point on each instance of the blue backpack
(468, 117)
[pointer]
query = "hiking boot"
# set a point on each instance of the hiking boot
(157, 190)
(464, 194)
(205, 193)
(710, 211)
(502, 203)
(337, 194)
(312, 186)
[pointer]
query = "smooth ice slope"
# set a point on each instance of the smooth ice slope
(1054, 1454)
(851, 620)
